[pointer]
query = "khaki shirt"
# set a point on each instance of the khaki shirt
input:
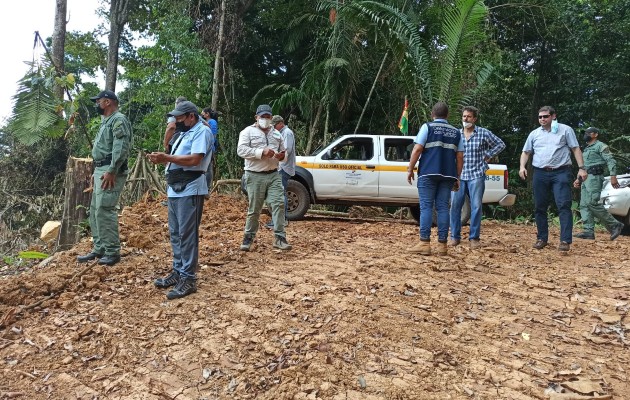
(113, 139)
(251, 143)
(598, 153)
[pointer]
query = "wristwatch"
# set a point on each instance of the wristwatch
(582, 167)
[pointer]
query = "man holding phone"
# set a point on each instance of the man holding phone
(262, 147)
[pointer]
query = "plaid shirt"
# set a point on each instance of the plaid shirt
(481, 144)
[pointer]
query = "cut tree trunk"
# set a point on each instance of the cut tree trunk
(76, 200)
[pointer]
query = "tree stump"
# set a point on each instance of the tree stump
(76, 200)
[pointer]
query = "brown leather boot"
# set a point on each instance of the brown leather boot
(421, 247)
(442, 249)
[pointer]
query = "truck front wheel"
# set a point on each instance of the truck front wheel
(298, 200)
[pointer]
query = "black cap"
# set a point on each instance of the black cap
(184, 107)
(592, 130)
(263, 109)
(105, 94)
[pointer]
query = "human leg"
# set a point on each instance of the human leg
(285, 184)
(256, 192)
(97, 248)
(541, 188)
(276, 200)
(427, 189)
(561, 187)
(188, 210)
(476, 188)
(457, 202)
(442, 196)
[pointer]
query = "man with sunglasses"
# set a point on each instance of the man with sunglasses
(552, 145)
(110, 153)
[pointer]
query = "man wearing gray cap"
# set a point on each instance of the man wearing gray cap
(597, 157)
(286, 166)
(110, 153)
(185, 168)
(262, 148)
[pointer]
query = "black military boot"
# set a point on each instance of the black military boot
(88, 257)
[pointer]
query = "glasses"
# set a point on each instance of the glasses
(544, 116)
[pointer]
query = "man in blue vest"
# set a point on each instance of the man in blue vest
(440, 166)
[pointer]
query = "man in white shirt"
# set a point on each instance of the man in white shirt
(262, 147)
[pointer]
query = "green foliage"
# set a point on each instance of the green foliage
(35, 109)
(32, 255)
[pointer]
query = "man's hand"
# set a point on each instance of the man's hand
(614, 182)
(522, 173)
(583, 174)
(268, 153)
(410, 176)
(455, 186)
(280, 156)
(158, 157)
(577, 183)
(108, 180)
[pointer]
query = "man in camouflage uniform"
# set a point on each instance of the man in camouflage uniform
(596, 157)
(110, 153)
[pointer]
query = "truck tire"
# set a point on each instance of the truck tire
(415, 212)
(298, 200)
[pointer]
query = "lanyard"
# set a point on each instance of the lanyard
(175, 146)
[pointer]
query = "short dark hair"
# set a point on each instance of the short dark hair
(440, 110)
(472, 109)
(549, 109)
(213, 114)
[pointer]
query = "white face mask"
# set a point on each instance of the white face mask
(264, 123)
(467, 124)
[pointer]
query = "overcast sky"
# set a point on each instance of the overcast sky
(18, 22)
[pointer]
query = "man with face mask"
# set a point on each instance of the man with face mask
(480, 146)
(187, 186)
(597, 156)
(263, 147)
(110, 153)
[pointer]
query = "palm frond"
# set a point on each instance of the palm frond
(35, 109)
(461, 31)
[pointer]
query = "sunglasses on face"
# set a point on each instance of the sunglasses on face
(544, 116)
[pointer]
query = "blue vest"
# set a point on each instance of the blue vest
(440, 150)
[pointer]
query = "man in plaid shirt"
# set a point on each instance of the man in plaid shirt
(480, 146)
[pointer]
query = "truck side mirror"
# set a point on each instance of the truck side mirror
(327, 155)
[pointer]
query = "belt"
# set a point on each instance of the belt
(100, 163)
(108, 161)
(549, 169)
(271, 171)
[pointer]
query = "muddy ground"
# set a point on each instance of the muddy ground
(346, 314)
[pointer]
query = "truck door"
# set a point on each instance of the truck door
(347, 169)
(393, 167)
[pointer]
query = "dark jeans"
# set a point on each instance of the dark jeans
(557, 182)
(184, 217)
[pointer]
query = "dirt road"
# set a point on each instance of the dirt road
(346, 314)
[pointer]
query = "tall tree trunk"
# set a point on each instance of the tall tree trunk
(217, 58)
(367, 101)
(314, 128)
(118, 15)
(59, 43)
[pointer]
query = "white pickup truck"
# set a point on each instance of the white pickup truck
(371, 170)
